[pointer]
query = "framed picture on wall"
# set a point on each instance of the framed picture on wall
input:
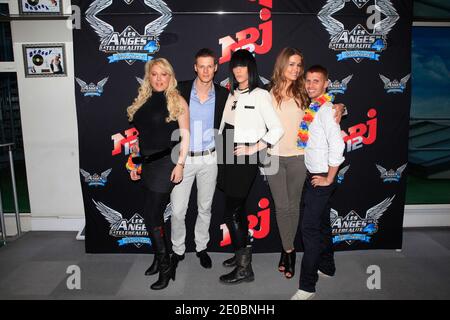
(44, 60)
(40, 7)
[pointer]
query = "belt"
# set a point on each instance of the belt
(202, 153)
(157, 155)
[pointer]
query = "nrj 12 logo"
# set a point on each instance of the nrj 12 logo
(358, 43)
(129, 45)
(91, 89)
(353, 227)
(262, 218)
(362, 133)
(130, 139)
(247, 38)
(132, 231)
(395, 86)
(96, 180)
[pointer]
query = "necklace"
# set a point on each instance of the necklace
(310, 112)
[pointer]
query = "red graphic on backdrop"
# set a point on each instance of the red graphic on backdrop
(127, 142)
(355, 138)
(262, 218)
(247, 38)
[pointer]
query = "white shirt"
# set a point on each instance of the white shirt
(254, 117)
(325, 146)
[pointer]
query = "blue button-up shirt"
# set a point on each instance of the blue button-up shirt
(201, 120)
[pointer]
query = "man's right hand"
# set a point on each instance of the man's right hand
(134, 175)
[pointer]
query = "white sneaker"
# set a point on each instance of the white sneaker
(323, 275)
(303, 295)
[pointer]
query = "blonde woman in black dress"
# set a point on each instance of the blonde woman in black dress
(156, 113)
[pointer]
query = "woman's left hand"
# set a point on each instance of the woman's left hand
(243, 150)
(177, 174)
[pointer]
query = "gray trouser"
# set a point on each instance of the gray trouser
(204, 169)
(286, 188)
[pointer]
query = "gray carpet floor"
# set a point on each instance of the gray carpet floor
(35, 267)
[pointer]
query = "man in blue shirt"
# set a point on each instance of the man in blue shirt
(206, 101)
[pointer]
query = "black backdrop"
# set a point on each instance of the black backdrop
(373, 82)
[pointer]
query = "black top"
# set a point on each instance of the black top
(150, 120)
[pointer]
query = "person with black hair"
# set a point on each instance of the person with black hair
(249, 124)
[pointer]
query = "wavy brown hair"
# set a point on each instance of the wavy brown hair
(297, 88)
(145, 91)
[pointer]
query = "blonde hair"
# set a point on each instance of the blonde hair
(145, 91)
(278, 82)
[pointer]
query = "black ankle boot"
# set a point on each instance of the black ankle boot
(290, 264)
(154, 268)
(243, 270)
(166, 272)
(230, 262)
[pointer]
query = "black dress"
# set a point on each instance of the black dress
(155, 143)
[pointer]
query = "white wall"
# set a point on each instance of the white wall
(50, 133)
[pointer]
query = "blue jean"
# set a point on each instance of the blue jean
(316, 235)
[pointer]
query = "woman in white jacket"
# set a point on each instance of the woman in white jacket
(249, 125)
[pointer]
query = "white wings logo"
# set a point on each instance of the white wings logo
(96, 180)
(358, 43)
(353, 227)
(91, 89)
(335, 87)
(391, 175)
(129, 45)
(395, 86)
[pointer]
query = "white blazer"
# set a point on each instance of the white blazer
(255, 118)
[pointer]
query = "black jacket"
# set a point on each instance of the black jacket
(185, 88)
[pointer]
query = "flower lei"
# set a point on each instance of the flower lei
(310, 112)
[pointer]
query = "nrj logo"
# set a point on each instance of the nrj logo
(127, 142)
(391, 175)
(129, 45)
(353, 227)
(358, 43)
(336, 86)
(91, 89)
(247, 38)
(132, 231)
(362, 133)
(395, 86)
(262, 219)
(96, 180)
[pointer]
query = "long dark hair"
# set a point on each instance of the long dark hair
(244, 58)
(297, 88)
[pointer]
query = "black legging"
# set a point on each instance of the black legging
(155, 205)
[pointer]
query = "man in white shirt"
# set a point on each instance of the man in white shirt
(323, 155)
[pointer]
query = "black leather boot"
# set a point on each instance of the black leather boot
(243, 271)
(156, 235)
(289, 268)
(154, 268)
(230, 262)
(166, 272)
(166, 267)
